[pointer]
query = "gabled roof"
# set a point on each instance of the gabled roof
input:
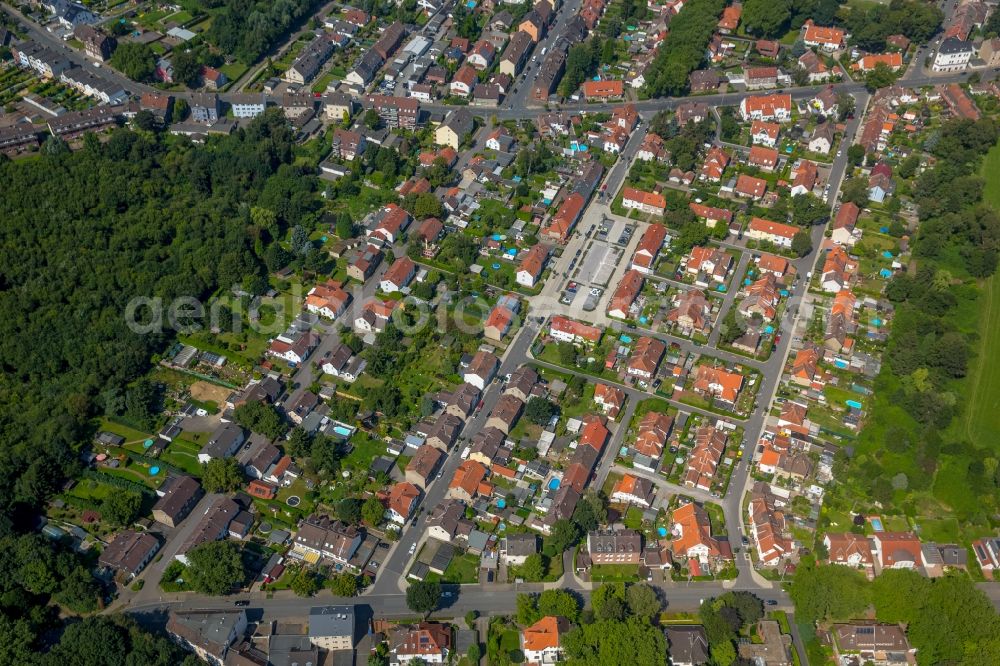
(626, 292)
(773, 228)
(545, 633)
(468, 477)
(402, 497)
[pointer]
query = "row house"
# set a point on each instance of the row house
(651, 203)
(651, 242)
(706, 455)
(565, 329)
(767, 525)
(690, 312)
(625, 293)
(318, 538)
(778, 233)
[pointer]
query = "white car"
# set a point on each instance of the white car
(413, 548)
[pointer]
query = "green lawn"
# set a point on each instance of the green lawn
(91, 489)
(462, 569)
(183, 453)
(633, 518)
(614, 572)
(130, 434)
(365, 451)
(717, 518)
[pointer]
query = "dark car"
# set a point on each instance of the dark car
(772, 602)
(241, 603)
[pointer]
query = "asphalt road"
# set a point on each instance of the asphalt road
(487, 600)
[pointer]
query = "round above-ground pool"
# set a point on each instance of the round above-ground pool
(662, 531)
(554, 484)
(293, 501)
(153, 471)
(148, 443)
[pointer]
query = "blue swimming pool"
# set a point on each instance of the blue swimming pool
(853, 403)
(876, 524)
(625, 338)
(343, 431)
(662, 531)
(554, 484)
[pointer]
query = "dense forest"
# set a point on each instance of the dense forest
(684, 48)
(248, 30)
(82, 234)
(868, 25)
(773, 18)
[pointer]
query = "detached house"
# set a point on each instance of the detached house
(541, 642)
(464, 81)
(223, 443)
(691, 530)
(765, 159)
(402, 500)
(690, 311)
(827, 39)
(646, 357)
(327, 300)
(632, 489)
(452, 132)
(850, 550)
(532, 265)
(764, 133)
(482, 54)
(481, 369)
(609, 398)
(897, 550)
(750, 187)
(469, 481)
(426, 643)
(776, 107)
(398, 276)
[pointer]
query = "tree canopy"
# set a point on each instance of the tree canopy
(684, 48)
(616, 642)
(423, 596)
(250, 28)
(221, 475)
(214, 567)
